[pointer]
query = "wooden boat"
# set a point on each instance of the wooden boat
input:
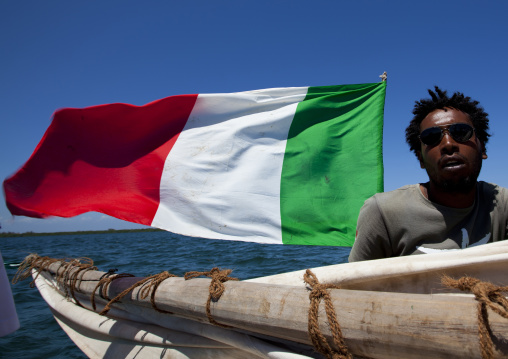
(389, 308)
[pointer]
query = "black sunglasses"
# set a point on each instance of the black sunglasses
(460, 132)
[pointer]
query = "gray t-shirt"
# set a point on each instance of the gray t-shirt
(404, 222)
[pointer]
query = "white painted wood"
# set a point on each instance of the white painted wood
(409, 274)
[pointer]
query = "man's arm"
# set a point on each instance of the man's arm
(372, 240)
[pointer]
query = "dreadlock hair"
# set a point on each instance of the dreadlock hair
(440, 100)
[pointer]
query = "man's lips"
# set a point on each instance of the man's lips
(454, 161)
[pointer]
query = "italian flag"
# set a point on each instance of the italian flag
(283, 165)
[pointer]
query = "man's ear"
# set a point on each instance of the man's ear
(419, 155)
(484, 152)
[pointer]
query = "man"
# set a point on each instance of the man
(452, 210)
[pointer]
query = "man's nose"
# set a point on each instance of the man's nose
(448, 144)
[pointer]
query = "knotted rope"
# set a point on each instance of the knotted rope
(152, 283)
(488, 295)
(33, 261)
(320, 291)
(70, 278)
(105, 281)
(216, 288)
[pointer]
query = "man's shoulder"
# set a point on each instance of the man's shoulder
(494, 191)
(402, 192)
(392, 201)
(491, 187)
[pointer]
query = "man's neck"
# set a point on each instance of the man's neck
(446, 198)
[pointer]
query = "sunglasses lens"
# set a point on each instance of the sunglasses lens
(461, 132)
(431, 136)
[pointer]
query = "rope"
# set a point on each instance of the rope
(487, 295)
(216, 288)
(318, 292)
(110, 272)
(153, 282)
(32, 261)
(105, 281)
(71, 275)
(152, 287)
(68, 278)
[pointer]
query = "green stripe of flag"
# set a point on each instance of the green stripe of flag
(332, 164)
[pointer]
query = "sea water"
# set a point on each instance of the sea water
(141, 254)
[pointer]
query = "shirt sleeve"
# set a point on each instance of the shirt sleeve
(372, 240)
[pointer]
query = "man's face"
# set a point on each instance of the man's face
(451, 166)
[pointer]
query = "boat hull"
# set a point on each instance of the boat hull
(268, 319)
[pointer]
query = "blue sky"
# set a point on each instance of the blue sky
(75, 54)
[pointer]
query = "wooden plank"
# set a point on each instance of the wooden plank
(409, 274)
(374, 324)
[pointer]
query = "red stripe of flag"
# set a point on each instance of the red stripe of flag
(107, 159)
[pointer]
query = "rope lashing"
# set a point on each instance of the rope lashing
(105, 281)
(152, 283)
(487, 295)
(110, 272)
(151, 288)
(216, 288)
(69, 276)
(33, 261)
(318, 292)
